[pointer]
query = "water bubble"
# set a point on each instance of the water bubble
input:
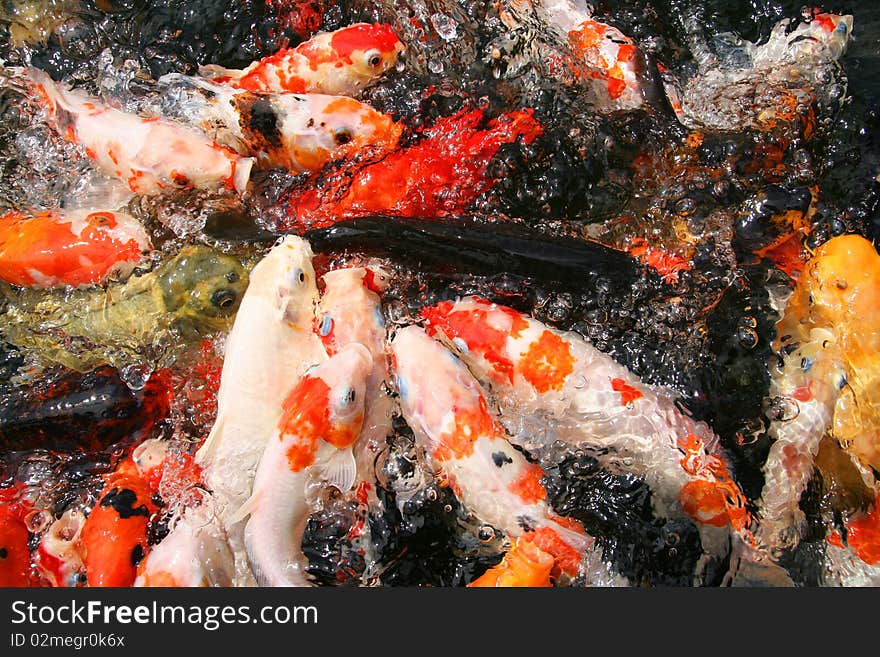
(445, 25)
(435, 66)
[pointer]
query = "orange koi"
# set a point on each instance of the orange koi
(15, 555)
(114, 536)
(69, 248)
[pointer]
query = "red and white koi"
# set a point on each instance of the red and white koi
(580, 395)
(763, 87)
(450, 418)
(607, 59)
(322, 419)
(76, 247)
(59, 556)
(827, 380)
(148, 154)
(342, 62)
(299, 132)
(270, 345)
(195, 553)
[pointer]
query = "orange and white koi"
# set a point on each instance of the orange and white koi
(195, 553)
(148, 154)
(588, 399)
(59, 556)
(322, 419)
(299, 132)
(450, 417)
(342, 62)
(827, 379)
(270, 345)
(77, 247)
(114, 536)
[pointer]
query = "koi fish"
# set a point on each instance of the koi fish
(342, 62)
(767, 87)
(114, 536)
(322, 418)
(69, 247)
(298, 132)
(270, 345)
(525, 564)
(826, 380)
(59, 557)
(450, 418)
(15, 555)
(196, 291)
(604, 57)
(195, 553)
(438, 176)
(148, 154)
(587, 398)
(350, 312)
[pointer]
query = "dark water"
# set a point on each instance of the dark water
(707, 335)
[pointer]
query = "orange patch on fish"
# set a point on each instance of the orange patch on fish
(524, 565)
(547, 362)
(628, 394)
(469, 424)
(567, 559)
(529, 487)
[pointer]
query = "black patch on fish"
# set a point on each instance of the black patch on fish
(137, 554)
(258, 121)
(123, 500)
(3, 553)
(500, 458)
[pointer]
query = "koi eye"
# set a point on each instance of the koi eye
(373, 58)
(223, 298)
(342, 136)
(297, 277)
(348, 397)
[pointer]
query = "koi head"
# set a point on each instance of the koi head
(327, 404)
(824, 38)
(437, 391)
(203, 285)
(287, 276)
(370, 49)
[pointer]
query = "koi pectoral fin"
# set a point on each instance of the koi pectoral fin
(338, 468)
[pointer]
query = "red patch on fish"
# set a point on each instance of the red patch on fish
(469, 425)
(472, 326)
(628, 394)
(347, 41)
(114, 536)
(863, 534)
(529, 487)
(15, 556)
(803, 393)
(441, 175)
(547, 362)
